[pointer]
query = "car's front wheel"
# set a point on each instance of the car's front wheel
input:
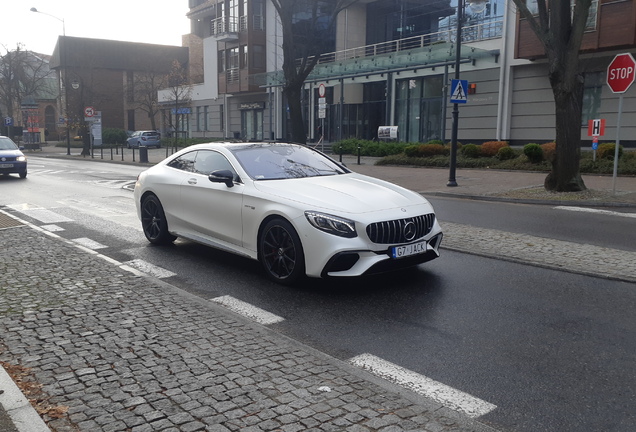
(281, 252)
(23, 174)
(153, 221)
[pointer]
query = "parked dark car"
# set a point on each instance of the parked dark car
(144, 138)
(12, 160)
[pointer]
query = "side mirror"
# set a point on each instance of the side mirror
(222, 176)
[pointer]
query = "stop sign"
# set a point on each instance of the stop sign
(621, 73)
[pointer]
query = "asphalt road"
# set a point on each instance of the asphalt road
(553, 350)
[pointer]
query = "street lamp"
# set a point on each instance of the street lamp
(477, 6)
(62, 57)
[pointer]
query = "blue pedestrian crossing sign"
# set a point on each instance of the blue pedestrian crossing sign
(459, 91)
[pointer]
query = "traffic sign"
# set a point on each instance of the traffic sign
(8, 121)
(322, 91)
(621, 73)
(89, 111)
(459, 91)
(596, 127)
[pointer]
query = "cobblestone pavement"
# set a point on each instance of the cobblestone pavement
(130, 353)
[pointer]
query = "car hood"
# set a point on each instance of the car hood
(346, 193)
(10, 153)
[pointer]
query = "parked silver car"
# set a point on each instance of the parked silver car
(144, 138)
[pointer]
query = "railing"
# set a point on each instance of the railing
(482, 31)
(232, 75)
(224, 25)
(258, 23)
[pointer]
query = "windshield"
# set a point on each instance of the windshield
(284, 161)
(7, 144)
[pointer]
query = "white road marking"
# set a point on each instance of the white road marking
(591, 210)
(151, 269)
(247, 310)
(447, 396)
(89, 244)
(41, 214)
(52, 228)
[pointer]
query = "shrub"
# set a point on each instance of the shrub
(425, 150)
(549, 150)
(534, 152)
(607, 151)
(506, 153)
(114, 136)
(471, 151)
(491, 148)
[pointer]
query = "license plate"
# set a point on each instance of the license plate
(6, 165)
(408, 250)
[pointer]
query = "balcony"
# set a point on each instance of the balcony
(483, 31)
(225, 29)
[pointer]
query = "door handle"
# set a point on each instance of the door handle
(192, 181)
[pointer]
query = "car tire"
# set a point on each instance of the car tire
(22, 174)
(280, 251)
(153, 221)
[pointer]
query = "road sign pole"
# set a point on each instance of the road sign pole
(618, 143)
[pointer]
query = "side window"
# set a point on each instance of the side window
(184, 162)
(209, 161)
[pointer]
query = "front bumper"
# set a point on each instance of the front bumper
(327, 255)
(13, 167)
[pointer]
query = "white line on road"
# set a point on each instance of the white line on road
(41, 214)
(441, 393)
(591, 210)
(247, 310)
(151, 269)
(89, 244)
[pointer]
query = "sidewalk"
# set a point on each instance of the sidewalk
(124, 351)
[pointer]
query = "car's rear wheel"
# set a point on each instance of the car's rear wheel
(153, 221)
(281, 252)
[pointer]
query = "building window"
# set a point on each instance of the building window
(244, 59)
(205, 118)
(221, 61)
(222, 117)
(593, 87)
(258, 56)
(233, 65)
(199, 119)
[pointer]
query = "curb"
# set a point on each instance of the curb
(24, 417)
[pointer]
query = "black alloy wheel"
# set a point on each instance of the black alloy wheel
(281, 252)
(153, 221)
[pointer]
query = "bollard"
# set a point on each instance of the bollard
(143, 154)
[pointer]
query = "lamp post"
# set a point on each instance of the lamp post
(62, 61)
(476, 6)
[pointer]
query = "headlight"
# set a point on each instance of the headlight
(21, 159)
(332, 224)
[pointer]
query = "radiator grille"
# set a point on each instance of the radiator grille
(393, 232)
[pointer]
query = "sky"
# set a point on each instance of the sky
(150, 21)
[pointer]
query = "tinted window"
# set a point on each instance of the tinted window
(184, 162)
(281, 161)
(208, 161)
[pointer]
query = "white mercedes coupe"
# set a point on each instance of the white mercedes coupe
(297, 211)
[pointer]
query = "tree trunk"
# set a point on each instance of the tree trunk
(565, 175)
(297, 125)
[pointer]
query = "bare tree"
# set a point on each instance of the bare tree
(304, 23)
(559, 28)
(22, 74)
(146, 88)
(178, 93)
